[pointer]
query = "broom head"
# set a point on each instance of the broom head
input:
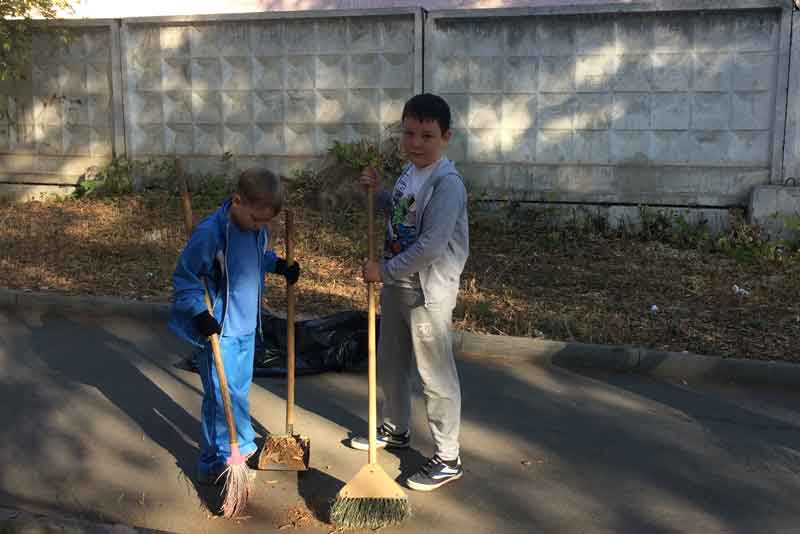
(236, 491)
(370, 500)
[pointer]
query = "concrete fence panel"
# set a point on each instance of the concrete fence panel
(670, 103)
(280, 88)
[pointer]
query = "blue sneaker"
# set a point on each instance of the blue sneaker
(435, 473)
(386, 437)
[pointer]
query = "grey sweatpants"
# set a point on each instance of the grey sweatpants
(412, 334)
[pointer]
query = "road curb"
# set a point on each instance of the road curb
(14, 298)
(571, 355)
(20, 522)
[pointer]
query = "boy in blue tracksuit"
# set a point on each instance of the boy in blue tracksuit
(228, 249)
(427, 245)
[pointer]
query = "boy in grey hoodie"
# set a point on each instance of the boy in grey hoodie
(427, 244)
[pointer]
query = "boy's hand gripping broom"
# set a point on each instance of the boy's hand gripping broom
(290, 452)
(236, 490)
(371, 499)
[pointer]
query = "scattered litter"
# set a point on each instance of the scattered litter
(740, 291)
(526, 463)
(653, 309)
(153, 236)
(298, 517)
(537, 333)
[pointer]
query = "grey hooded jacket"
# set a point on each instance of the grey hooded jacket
(442, 244)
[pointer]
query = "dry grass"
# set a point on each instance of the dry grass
(519, 280)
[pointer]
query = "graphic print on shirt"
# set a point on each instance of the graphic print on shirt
(402, 232)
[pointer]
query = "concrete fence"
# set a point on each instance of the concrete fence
(671, 102)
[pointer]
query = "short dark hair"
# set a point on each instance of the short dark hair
(428, 107)
(262, 188)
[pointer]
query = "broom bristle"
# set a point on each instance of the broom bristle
(236, 491)
(372, 513)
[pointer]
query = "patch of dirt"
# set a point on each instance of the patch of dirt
(521, 278)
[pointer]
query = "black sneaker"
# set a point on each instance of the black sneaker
(386, 438)
(435, 473)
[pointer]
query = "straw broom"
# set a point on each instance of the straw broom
(236, 490)
(289, 452)
(371, 499)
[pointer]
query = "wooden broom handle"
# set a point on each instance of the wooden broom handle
(373, 399)
(186, 204)
(223, 381)
(188, 222)
(290, 314)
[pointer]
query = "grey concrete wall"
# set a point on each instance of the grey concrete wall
(791, 161)
(60, 119)
(625, 107)
(279, 88)
(669, 102)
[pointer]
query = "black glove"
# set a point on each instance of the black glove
(291, 273)
(206, 324)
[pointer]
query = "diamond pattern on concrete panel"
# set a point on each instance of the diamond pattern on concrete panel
(300, 106)
(177, 74)
(300, 72)
(97, 78)
(178, 107)
(237, 107)
(75, 111)
(204, 41)
(49, 140)
(97, 44)
(66, 90)
(269, 139)
(179, 138)
(264, 86)
(100, 141)
(148, 139)
(331, 72)
(207, 107)
(147, 107)
(238, 139)
(175, 41)
(206, 74)
(299, 139)
(268, 106)
(609, 89)
(268, 72)
(365, 71)
(298, 37)
(234, 40)
(76, 140)
(208, 139)
(391, 106)
(396, 71)
(72, 79)
(331, 107)
(22, 138)
(266, 38)
(364, 36)
(47, 110)
(398, 35)
(364, 106)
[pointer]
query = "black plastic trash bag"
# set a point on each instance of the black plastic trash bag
(335, 342)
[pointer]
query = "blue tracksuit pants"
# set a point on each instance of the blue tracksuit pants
(237, 357)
